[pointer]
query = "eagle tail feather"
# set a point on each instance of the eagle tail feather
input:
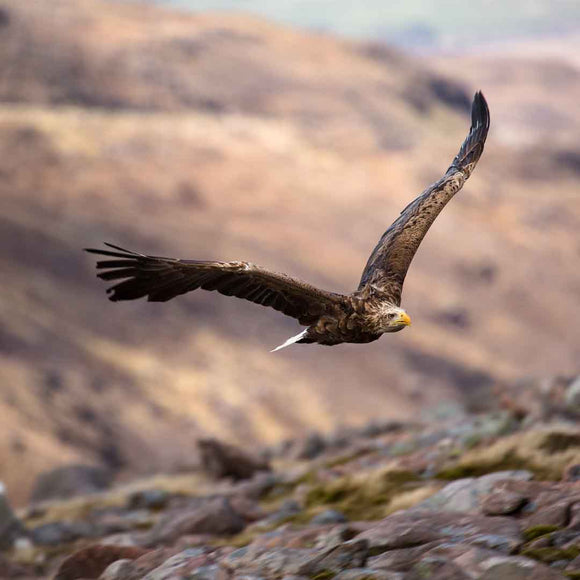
(292, 340)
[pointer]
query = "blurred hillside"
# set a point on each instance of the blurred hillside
(228, 137)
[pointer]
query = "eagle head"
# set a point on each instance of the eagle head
(393, 318)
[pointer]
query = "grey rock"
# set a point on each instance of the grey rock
(413, 528)
(63, 532)
(268, 563)
(517, 568)
(259, 560)
(351, 554)
(467, 557)
(436, 568)
(151, 499)
(184, 565)
(119, 570)
(329, 517)
(236, 560)
(256, 487)
(465, 495)
(10, 527)
(368, 574)
(216, 517)
(211, 572)
(309, 448)
(572, 397)
(69, 481)
(401, 559)
(288, 509)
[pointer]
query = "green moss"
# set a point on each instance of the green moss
(323, 575)
(344, 459)
(549, 555)
(558, 442)
(361, 499)
(238, 541)
(299, 519)
(538, 531)
(508, 461)
(575, 575)
(283, 491)
(473, 440)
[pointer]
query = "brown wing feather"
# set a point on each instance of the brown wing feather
(161, 279)
(390, 260)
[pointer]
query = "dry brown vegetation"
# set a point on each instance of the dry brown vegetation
(215, 136)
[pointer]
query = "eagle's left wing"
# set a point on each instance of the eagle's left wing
(160, 279)
(390, 260)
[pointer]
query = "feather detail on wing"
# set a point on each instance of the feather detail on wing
(161, 279)
(388, 264)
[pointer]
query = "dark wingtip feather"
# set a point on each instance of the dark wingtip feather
(472, 147)
(479, 112)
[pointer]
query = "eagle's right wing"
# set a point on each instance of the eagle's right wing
(161, 279)
(388, 264)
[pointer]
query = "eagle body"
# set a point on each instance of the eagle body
(331, 318)
(360, 319)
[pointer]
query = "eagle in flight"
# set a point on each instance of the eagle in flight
(331, 318)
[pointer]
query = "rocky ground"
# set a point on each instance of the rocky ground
(493, 496)
(226, 137)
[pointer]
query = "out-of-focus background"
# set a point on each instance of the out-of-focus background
(289, 134)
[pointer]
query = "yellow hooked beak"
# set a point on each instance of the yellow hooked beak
(405, 319)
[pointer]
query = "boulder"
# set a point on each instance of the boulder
(91, 562)
(413, 528)
(10, 527)
(465, 495)
(220, 460)
(69, 481)
(215, 517)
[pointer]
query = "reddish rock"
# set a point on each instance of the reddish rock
(249, 509)
(151, 560)
(550, 513)
(546, 503)
(575, 516)
(10, 570)
(90, 562)
(572, 473)
(402, 559)
(502, 502)
(573, 567)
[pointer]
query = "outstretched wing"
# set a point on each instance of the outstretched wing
(390, 260)
(161, 279)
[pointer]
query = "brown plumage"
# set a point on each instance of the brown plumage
(363, 316)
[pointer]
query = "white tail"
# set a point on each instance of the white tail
(291, 340)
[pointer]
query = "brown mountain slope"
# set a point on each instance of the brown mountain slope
(228, 137)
